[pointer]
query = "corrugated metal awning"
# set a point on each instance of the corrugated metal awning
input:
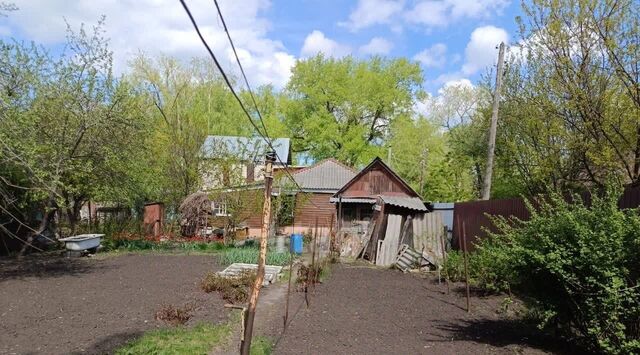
(412, 203)
(353, 200)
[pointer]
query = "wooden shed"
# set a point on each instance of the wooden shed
(365, 203)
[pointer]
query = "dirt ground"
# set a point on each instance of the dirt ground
(84, 305)
(362, 310)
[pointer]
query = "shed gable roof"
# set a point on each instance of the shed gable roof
(389, 184)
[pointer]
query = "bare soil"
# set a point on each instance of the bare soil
(94, 305)
(364, 310)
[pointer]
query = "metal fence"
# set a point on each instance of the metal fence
(471, 220)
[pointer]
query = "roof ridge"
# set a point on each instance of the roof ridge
(316, 165)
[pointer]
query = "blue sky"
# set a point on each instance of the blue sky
(454, 40)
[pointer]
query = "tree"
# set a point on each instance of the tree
(344, 108)
(185, 102)
(69, 130)
(569, 115)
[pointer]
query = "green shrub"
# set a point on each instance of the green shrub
(578, 266)
(453, 268)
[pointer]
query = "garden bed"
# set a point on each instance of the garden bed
(57, 305)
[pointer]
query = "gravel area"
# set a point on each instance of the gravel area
(94, 305)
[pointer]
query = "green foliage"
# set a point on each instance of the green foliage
(249, 255)
(261, 345)
(342, 108)
(578, 265)
(180, 340)
(70, 130)
(453, 268)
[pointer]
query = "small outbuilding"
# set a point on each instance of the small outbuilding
(377, 213)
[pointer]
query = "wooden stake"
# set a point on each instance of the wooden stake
(486, 186)
(444, 255)
(466, 266)
(286, 306)
(245, 344)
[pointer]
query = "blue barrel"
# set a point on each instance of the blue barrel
(296, 243)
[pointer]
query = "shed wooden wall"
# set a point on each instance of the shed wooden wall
(374, 182)
(312, 205)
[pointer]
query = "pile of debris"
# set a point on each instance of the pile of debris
(408, 242)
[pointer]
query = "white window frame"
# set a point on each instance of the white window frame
(219, 209)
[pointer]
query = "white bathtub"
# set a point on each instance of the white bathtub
(82, 242)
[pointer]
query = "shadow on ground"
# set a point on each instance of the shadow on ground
(46, 267)
(110, 343)
(503, 333)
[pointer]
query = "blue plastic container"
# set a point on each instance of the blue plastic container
(296, 243)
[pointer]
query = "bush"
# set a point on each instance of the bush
(175, 315)
(309, 275)
(453, 268)
(579, 267)
(232, 289)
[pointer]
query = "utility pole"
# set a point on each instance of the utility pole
(389, 157)
(423, 166)
(245, 345)
(486, 188)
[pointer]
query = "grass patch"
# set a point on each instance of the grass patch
(249, 255)
(181, 340)
(261, 345)
(200, 339)
(142, 245)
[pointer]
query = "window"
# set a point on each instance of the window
(219, 209)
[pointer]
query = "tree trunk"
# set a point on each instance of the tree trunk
(49, 211)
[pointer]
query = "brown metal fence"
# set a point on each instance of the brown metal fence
(471, 217)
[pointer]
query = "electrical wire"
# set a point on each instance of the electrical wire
(264, 136)
(235, 53)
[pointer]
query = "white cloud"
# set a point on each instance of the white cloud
(377, 45)
(429, 13)
(316, 42)
(481, 50)
(441, 13)
(433, 57)
(461, 83)
(373, 12)
(162, 26)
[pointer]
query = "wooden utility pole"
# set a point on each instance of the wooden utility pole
(245, 345)
(486, 188)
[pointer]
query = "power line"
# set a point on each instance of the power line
(228, 82)
(246, 81)
(215, 60)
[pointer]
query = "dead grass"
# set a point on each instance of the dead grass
(232, 289)
(308, 275)
(175, 315)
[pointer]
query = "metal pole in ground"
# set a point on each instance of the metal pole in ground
(466, 266)
(245, 344)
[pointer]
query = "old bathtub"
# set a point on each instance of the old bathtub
(82, 242)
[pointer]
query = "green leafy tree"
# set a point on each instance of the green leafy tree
(344, 108)
(69, 130)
